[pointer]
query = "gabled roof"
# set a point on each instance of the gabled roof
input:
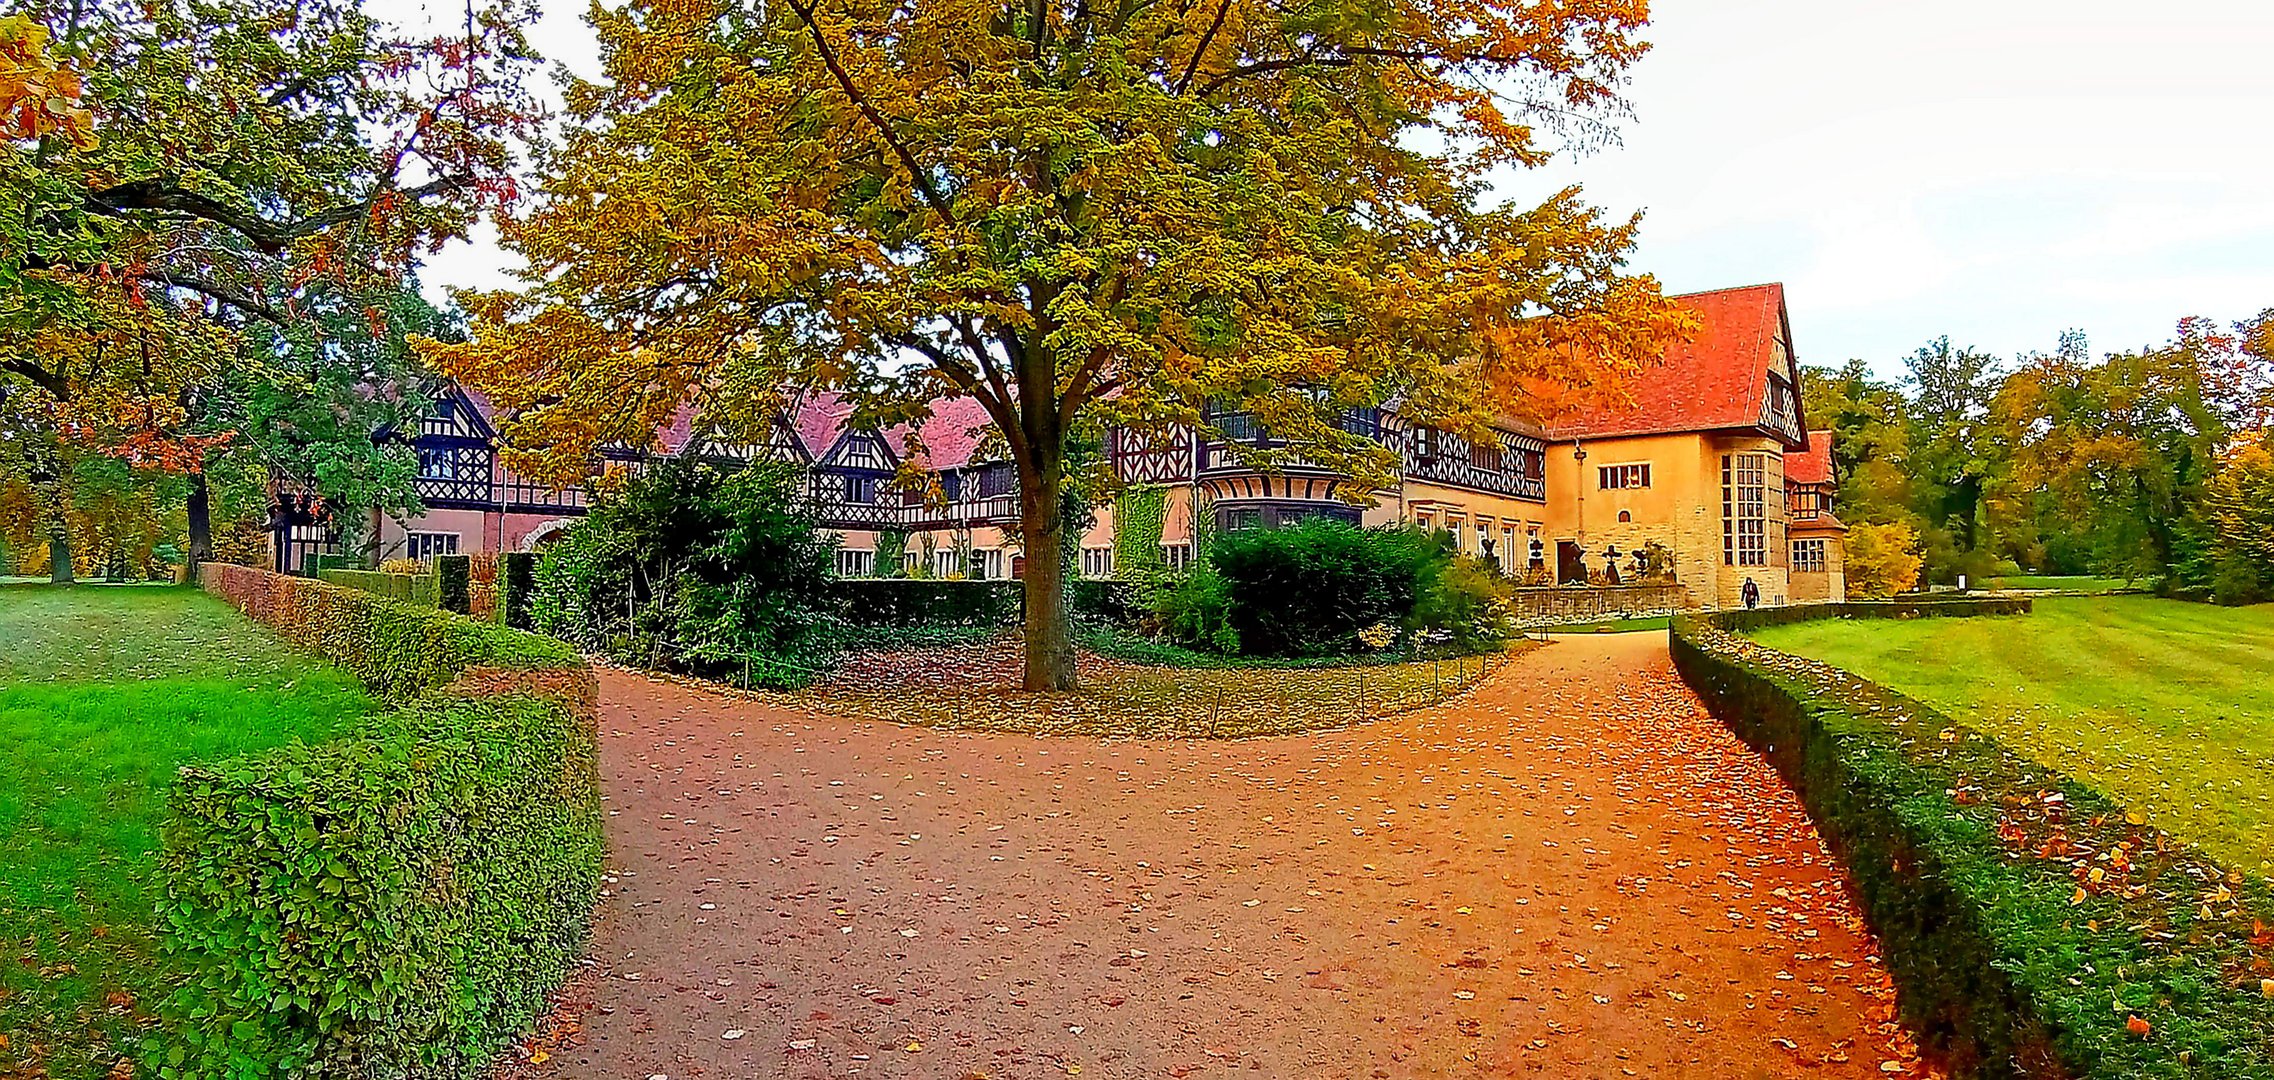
(951, 435)
(1812, 465)
(1717, 382)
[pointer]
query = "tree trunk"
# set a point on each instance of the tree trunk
(59, 569)
(1049, 640)
(200, 525)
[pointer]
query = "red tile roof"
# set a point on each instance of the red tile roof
(951, 435)
(1812, 465)
(1715, 382)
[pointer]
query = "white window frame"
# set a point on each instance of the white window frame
(1097, 562)
(1744, 510)
(856, 562)
(1817, 561)
(424, 546)
(1628, 476)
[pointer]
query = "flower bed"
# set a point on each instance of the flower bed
(2034, 927)
(397, 901)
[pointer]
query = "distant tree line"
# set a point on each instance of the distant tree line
(2153, 465)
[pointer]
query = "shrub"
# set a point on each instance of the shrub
(697, 568)
(904, 602)
(2034, 928)
(396, 648)
(400, 900)
(1196, 608)
(1882, 560)
(516, 579)
(454, 575)
(1465, 599)
(1308, 589)
(394, 903)
(403, 566)
(419, 589)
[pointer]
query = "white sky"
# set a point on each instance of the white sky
(1995, 170)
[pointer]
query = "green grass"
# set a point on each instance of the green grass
(2077, 583)
(104, 693)
(2166, 706)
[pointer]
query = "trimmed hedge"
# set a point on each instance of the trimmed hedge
(454, 577)
(396, 648)
(926, 602)
(516, 582)
(419, 589)
(400, 900)
(2034, 928)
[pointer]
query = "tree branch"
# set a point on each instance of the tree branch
(1200, 50)
(860, 101)
(54, 383)
(269, 236)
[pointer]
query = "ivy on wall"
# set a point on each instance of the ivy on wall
(1140, 513)
(891, 554)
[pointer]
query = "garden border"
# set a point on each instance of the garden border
(2033, 927)
(401, 899)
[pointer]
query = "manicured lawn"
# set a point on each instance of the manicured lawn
(2166, 706)
(104, 693)
(2070, 583)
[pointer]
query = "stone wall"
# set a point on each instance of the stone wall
(1553, 606)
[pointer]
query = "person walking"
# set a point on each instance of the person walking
(1752, 594)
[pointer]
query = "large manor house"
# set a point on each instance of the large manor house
(1713, 465)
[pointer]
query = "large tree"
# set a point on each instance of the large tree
(1068, 211)
(187, 186)
(2116, 453)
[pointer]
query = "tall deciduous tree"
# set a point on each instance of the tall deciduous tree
(1069, 210)
(173, 172)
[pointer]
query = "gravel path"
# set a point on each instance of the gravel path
(1570, 872)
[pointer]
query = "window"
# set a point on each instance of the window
(851, 563)
(997, 480)
(1744, 510)
(1508, 548)
(1484, 455)
(1808, 556)
(1097, 562)
(1176, 556)
(1237, 520)
(860, 489)
(1625, 516)
(425, 545)
(1538, 552)
(951, 486)
(943, 563)
(987, 565)
(1618, 477)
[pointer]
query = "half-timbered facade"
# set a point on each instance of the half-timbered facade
(1711, 461)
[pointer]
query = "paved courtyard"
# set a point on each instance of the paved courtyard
(1570, 872)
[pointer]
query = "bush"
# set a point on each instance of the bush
(1307, 589)
(400, 900)
(1465, 600)
(2034, 928)
(697, 568)
(420, 589)
(905, 602)
(396, 648)
(454, 577)
(1196, 608)
(516, 579)
(395, 903)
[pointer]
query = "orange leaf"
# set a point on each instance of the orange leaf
(2137, 1026)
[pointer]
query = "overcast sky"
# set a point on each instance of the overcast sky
(1994, 170)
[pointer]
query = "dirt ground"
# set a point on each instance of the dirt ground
(1571, 871)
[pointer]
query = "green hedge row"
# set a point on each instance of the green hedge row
(420, 589)
(397, 648)
(2034, 927)
(454, 583)
(398, 901)
(926, 602)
